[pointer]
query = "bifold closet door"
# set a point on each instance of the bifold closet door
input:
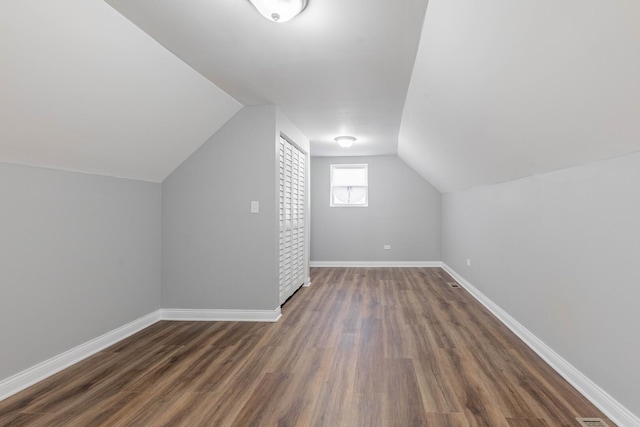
(292, 218)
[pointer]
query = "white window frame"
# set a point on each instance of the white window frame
(333, 167)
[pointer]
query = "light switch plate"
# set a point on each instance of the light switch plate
(255, 206)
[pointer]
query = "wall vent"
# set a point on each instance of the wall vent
(453, 285)
(592, 422)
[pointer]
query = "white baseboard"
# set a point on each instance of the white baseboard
(39, 372)
(221, 315)
(615, 411)
(375, 264)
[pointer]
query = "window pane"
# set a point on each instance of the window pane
(354, 176)
(349, 185)
(349, 195)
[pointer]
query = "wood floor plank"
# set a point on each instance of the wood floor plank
(360, 347)
(403, 402)
(369, 410)
(436, 388)
(527, 422)
(298, 402)
(476, 399)
(21, 420)
(261, 407)
(450, 419)
(333, 401)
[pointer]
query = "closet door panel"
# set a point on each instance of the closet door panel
(292, 187)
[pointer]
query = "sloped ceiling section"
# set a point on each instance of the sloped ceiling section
(83, 89)
(504, 89)
(340, 67)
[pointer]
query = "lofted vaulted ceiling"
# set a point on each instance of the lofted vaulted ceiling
(505, 89)
(340, 67)
(472, 93)
(83, 89)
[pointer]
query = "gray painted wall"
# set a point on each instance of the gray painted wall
(404, 211)
(215, 253)
(559, 252)
(79, 257)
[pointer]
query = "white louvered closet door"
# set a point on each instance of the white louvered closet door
(292, 218)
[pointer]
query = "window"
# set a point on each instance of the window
(349, 185)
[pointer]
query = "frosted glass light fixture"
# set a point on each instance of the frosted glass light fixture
(345, 141)
(279, 10)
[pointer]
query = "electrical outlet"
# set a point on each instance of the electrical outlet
(386, 247)
(255, 206)
(469, 262)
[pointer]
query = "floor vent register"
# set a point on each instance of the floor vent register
(592, 422)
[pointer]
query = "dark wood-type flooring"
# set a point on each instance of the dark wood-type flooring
(360, 347)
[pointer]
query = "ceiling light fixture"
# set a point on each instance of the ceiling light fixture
(279, 10)
(345, 141)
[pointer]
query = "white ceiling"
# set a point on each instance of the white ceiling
(340, 67)
(505, 89)
(83, 89)
(499, 90)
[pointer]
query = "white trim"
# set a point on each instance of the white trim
(43, 370)
(307, 282)
(221, 315)
(614, 410)
(375, 264)
(39, 372)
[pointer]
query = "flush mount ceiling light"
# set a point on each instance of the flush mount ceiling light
(279, 10)
(345, 141)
